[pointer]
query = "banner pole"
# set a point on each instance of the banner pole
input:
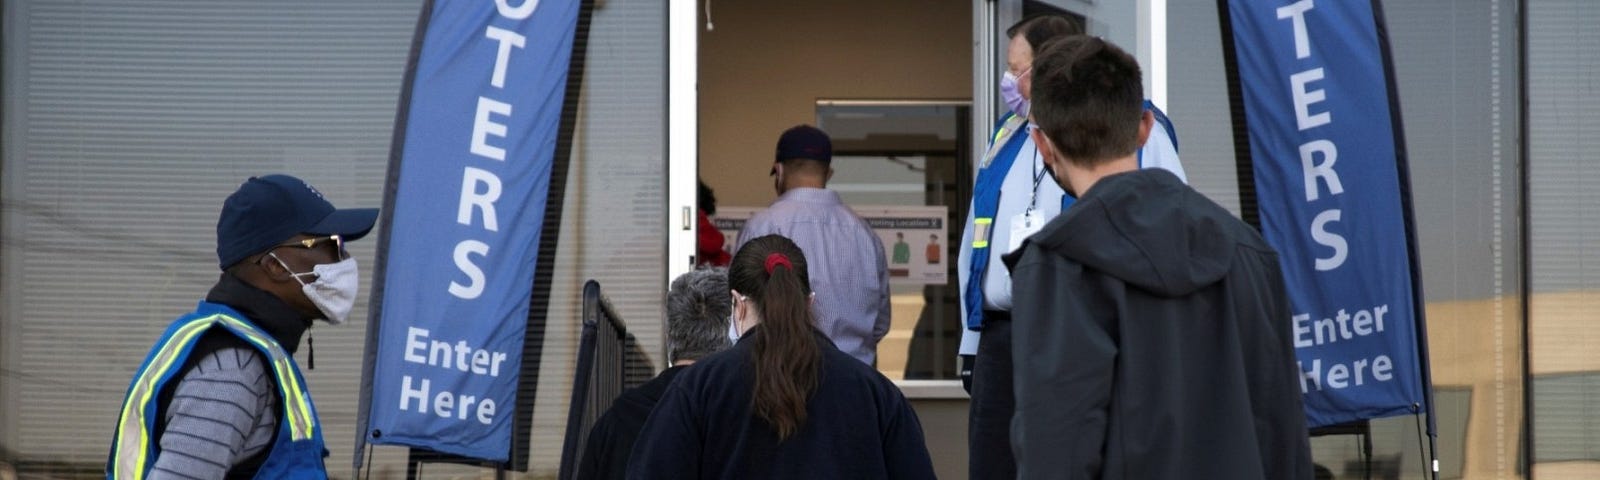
(549, 240)
(1418, 302)
(391, 185)
(1243, 166)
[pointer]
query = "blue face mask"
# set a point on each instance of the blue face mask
(1012, 93)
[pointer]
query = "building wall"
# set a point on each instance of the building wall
(114, 165)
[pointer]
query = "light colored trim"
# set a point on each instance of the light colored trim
(983, 82)
(683, 138)
(932, 389)
(826, 102)
(1158, 53)
(877, 187)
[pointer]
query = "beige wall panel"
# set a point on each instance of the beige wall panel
(1477, 344)
(1563, 332)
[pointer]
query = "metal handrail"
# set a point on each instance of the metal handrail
(609, 361)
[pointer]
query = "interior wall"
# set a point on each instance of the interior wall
(766, 62)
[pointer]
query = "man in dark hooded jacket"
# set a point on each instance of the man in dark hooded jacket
(1150, 326)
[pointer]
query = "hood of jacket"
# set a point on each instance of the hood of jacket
(1148, 229)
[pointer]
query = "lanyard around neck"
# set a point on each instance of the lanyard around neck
(1038, 176)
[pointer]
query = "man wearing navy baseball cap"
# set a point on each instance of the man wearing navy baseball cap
(848, 271)
(220, 394)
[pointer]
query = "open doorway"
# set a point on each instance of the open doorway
(767, 65)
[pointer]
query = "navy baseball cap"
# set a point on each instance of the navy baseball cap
(804, 141)
(271, 209)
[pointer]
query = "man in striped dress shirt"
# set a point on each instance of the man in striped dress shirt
(220, 395)
(848, 269)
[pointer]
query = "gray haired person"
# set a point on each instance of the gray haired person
(698, 306)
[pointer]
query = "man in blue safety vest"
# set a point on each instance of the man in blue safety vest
(1011, 200)
(220, 395)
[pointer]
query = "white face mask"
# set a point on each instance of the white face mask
(334, 291)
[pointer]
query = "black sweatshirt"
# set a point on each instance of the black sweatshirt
(1151, 341)
(611, 439)
(858, 425)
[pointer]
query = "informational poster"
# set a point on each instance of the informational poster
(729, 220)
(915, 242)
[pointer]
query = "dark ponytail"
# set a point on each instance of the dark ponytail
(771, 271)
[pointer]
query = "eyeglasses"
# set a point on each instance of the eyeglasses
(312, 243)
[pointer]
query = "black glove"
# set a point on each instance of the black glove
(966, 371)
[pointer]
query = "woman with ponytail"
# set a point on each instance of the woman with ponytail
(784, 402)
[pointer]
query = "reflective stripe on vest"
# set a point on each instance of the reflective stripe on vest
(132, 449)
(980, 232)
(1002, 136)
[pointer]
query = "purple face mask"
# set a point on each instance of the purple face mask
(1012, 94)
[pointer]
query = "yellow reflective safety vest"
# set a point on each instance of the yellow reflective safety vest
(297, 451)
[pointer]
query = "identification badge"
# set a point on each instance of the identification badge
(1024, 225)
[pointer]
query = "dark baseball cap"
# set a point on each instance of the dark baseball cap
(804, 141)
(271, 209)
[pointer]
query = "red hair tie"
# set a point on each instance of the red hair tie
(776, 259)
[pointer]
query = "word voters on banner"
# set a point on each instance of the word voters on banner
(913, 238)
(468, 182)
(1332, 184)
